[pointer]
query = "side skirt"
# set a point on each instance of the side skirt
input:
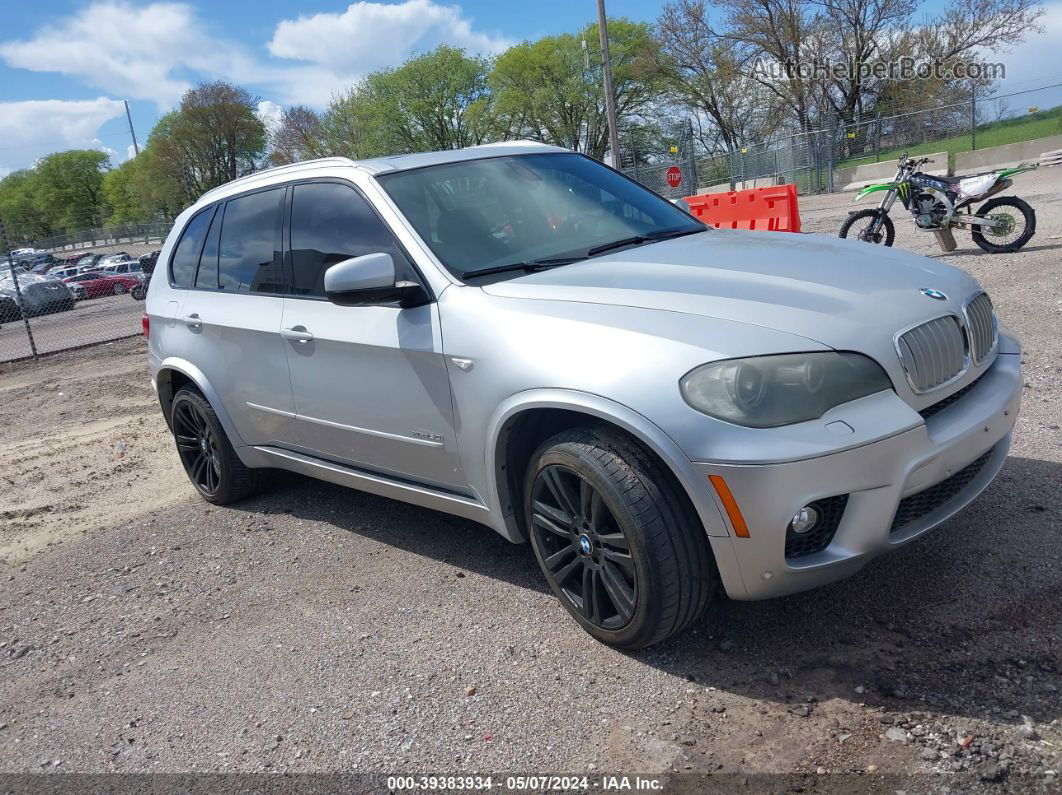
(424, 496)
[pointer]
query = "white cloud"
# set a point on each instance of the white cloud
(270, 114)
(138, 53)
(34, 128)
(155, 52)
(370, 36)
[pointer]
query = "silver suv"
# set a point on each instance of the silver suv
(521, 336)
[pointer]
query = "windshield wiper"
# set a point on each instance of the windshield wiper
(529, 266)
(636, 240)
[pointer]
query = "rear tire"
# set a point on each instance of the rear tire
(1028, 216)
(208, 457)
(616, 537)
(886, 232)
(119, 288)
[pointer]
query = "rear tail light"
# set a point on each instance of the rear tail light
(145, 324)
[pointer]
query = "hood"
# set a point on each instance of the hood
(844, 294)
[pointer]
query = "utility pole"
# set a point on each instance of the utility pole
(132, 134)
(610, 97)
(973, 115)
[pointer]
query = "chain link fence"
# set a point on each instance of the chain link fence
(86, 289)
(822, 160)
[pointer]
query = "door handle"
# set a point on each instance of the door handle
(296, 334)
(192, 321)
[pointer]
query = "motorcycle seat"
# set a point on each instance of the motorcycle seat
(964, 177)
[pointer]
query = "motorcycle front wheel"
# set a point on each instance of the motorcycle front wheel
(1018, 228)
(870, 226)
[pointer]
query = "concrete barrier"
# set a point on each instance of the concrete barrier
(1006, 156)
(870, 173)
(743, 184)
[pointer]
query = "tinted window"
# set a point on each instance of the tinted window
(207, 276)
(249, 251)
(331, 222)
(186, 257)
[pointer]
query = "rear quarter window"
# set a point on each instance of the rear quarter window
(186, 256)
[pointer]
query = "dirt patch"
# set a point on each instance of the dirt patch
(83, 446)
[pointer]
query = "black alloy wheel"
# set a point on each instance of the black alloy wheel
(198, 447)
(206, 453)
(585, 554)
(616, 537)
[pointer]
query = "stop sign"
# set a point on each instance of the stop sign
(674, 176)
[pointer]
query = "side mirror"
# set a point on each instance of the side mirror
(370, 280)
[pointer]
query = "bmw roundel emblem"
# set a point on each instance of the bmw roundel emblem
(931, 293)
(586, 546)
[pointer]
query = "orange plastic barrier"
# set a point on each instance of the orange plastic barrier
(772, 209)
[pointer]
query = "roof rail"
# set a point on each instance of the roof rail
(339, 161)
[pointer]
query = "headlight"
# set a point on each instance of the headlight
(768, 391)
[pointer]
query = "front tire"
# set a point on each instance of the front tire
(208, 457)
(119, 288)
(1023, 225)
(616, 538)
(861, 226)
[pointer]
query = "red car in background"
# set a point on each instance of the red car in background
(96, 284)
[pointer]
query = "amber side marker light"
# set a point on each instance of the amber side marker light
(741, 530)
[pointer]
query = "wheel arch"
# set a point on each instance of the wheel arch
(527, 419)
(173, 374)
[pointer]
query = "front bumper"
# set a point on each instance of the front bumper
(876, 476)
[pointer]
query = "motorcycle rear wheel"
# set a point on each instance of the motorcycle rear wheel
(859, 225)
(1003, 242)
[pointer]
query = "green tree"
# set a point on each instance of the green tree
(22, 216)
(122, 199)
(439, 100)
(69, 188)
(551, 89)
(213, 137)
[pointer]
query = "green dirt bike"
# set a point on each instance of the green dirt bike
(940, 204)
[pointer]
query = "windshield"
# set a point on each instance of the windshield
(489, 213)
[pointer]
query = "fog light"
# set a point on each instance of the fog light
(804, 520)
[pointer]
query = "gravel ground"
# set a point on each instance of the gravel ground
(317, 629)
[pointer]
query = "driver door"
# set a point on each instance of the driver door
(370, 383)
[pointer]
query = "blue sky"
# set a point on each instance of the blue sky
(66, 65)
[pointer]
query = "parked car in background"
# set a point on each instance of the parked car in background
(147, 261)
(62, 271)
(80, 293)
(97, 283)
(522, 336)
(111, 258)
(130, 266)
(40, 295)
(88, 262)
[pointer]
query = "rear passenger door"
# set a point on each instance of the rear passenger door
(229, 262)
(370, 384)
